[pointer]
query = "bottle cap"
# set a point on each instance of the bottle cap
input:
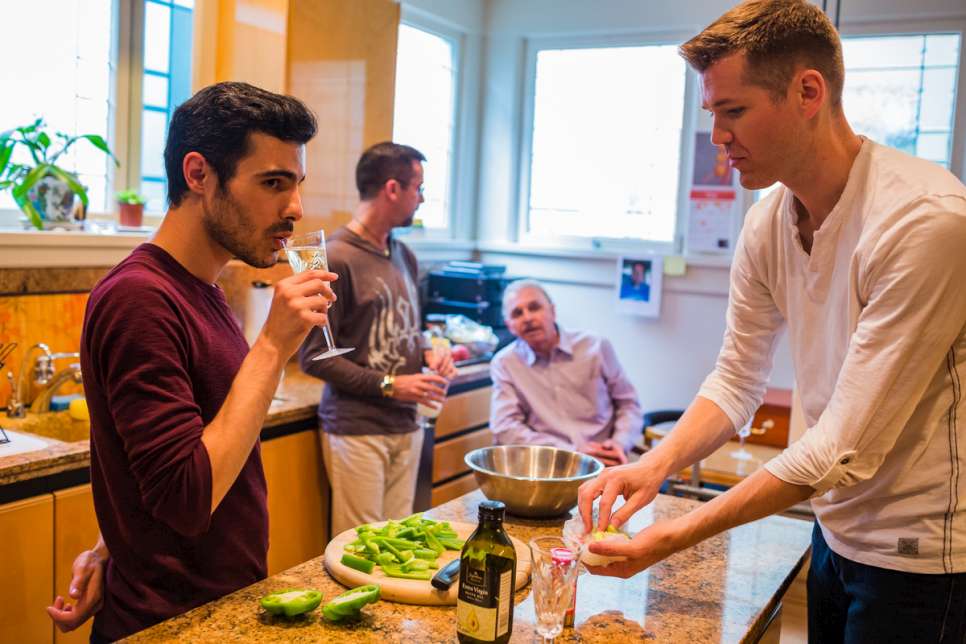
(492, 510)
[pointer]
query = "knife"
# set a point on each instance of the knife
(446, 575)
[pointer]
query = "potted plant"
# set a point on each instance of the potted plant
(131, 208)
(43, 190)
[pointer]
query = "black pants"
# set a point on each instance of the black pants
(854, 603)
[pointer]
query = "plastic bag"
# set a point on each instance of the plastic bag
(577, 540)
(478, 338)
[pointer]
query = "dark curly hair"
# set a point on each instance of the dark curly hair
(216, 123)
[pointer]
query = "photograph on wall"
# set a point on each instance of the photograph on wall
(639, 285)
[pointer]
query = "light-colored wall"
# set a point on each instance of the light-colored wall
(342, 63)
(241, 40)
(666, 358)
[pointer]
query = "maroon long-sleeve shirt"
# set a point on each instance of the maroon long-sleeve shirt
(159, 351)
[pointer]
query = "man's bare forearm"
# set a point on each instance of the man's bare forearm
(760, 495)
(702, 429)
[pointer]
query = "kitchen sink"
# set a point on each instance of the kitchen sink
(57, 425)
(18, 443)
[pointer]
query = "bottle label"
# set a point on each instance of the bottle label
(485, 600)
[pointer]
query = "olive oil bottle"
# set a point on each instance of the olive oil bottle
(488, 569)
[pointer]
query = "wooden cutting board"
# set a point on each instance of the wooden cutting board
(413, 591)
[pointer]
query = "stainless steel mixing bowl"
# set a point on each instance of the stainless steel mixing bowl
(533, 481)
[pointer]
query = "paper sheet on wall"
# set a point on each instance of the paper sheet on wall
(710, 225)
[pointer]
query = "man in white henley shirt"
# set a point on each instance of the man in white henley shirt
(861, 255)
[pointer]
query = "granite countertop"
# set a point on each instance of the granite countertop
(722, 590)
(296, 399)
(68, 447)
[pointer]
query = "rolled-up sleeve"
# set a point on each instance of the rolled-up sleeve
(143, 358)
(629, 419)
(915, 310)
(737, 384)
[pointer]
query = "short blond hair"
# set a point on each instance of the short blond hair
(778, 37)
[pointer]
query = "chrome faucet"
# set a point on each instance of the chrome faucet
(41, 404)
(43, 373)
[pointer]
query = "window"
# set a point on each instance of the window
(166, 83)
(63, 73)
(71, 81)
(605, 155)
(424, 114)
(901, 91)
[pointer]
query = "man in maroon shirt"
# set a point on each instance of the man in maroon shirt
(177, 399)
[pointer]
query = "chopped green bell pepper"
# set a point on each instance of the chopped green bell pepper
(291, 602)
(357, 563)
(398, 572)
(349, 604)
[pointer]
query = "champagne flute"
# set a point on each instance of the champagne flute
(305, 253)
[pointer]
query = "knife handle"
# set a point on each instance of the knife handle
(446, 575)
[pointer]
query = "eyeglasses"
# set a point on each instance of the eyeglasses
(419, 189)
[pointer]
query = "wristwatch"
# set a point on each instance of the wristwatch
(386, 386)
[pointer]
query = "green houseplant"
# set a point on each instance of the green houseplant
(130, 208)
(42, 189)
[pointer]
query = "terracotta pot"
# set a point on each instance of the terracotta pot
(131, 214)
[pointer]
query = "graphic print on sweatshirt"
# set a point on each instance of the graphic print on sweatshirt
(394, 334)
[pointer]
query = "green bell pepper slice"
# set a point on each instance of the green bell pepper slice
(357, 563)
(291, 602)
(349, 604)
(399, 573)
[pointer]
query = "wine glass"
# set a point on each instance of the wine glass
(441, 348)
(553, 575)
(307, 252)
(741, 454)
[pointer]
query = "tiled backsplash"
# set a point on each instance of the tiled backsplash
(47, 305)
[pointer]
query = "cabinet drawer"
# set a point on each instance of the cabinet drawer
(468, 409)
(75, 530)
(448, 455)
(452, 489)
(27, 571)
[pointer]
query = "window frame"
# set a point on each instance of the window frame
(124, 122)
(416, 19)
(117, 116)
(520, 225)
(873, 28)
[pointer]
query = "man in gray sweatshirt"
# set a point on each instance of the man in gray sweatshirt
(370, 439)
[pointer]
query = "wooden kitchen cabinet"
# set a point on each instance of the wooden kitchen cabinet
(464, 410)
(448, 455)
(461, 427)
(75, 530)
(451, 489)
(298, 499)
(27, 572)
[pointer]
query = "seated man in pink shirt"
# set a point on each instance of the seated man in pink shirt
(557, 387)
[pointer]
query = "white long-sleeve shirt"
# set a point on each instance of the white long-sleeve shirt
(876, 316)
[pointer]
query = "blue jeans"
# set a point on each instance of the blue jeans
(855, 603)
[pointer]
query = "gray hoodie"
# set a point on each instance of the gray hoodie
(377, 312)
